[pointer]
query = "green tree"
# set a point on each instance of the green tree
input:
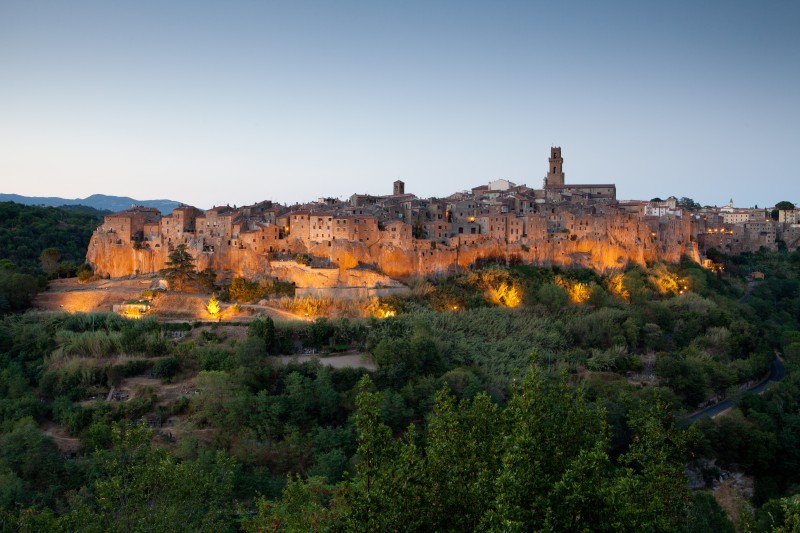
(30, 460)
(179, 269)
(688, 203)
(141, 488)
(388, 491)
(461, 454)
(784, 205)
(791, 515)
(48, 260)
(207, 279)
(301, 508)
(146, 489)
(539, 464)
(552, 296)
(705, 515)
(17, 290)
(84, 272)
(264, 329)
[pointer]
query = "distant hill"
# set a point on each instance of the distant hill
(98, 201)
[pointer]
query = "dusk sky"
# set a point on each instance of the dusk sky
(236, 102)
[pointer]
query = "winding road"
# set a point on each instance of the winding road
(776, 373)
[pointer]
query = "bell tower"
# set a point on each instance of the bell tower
(555, 172)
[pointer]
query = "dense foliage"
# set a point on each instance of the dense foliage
(455, 430)
(17, 289)
(27, 231)
(37, 243)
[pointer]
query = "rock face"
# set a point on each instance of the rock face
(634, 241)
(111, 258)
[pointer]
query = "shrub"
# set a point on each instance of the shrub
(85, 273)
(166, 368)
(303, 259)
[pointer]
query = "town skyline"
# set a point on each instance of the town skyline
(401, 235)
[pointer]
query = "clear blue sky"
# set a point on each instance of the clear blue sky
(237, 102)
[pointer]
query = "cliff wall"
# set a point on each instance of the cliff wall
(620, 241)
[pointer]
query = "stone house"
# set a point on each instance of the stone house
(398, 233)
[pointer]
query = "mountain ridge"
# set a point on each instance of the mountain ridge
(98, 201)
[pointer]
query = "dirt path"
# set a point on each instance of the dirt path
(166, 392)
(355, 360)
(65, 443)
(274, 312)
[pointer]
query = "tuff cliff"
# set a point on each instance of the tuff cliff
(617, 245)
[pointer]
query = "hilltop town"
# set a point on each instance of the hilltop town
(401, 235)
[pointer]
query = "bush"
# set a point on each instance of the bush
(85, 273)
(166, 368)
(245, 290)
(216, 359)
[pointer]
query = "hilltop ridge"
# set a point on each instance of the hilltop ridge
(97, 201)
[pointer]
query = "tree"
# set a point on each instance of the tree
(85, 273)
(552, 296)
(140, 487)
(688, 203)
(213, 306)
(784, 206)
(264, 329)
(179, 269)
(16, 290)
(48, 260)
(302, 508)
(207, 279)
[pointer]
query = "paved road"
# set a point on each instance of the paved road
(776, 373)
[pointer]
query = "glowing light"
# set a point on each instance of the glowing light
(379, 309)
(666, 282)
(578, 292)
(615, 286)
(213, 307)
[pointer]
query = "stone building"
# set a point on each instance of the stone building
(561, 223)
(555, 170)
(128, 226)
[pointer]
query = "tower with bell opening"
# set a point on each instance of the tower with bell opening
(555, 172)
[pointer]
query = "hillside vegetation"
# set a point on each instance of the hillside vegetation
(505, 398)
(26, 231)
